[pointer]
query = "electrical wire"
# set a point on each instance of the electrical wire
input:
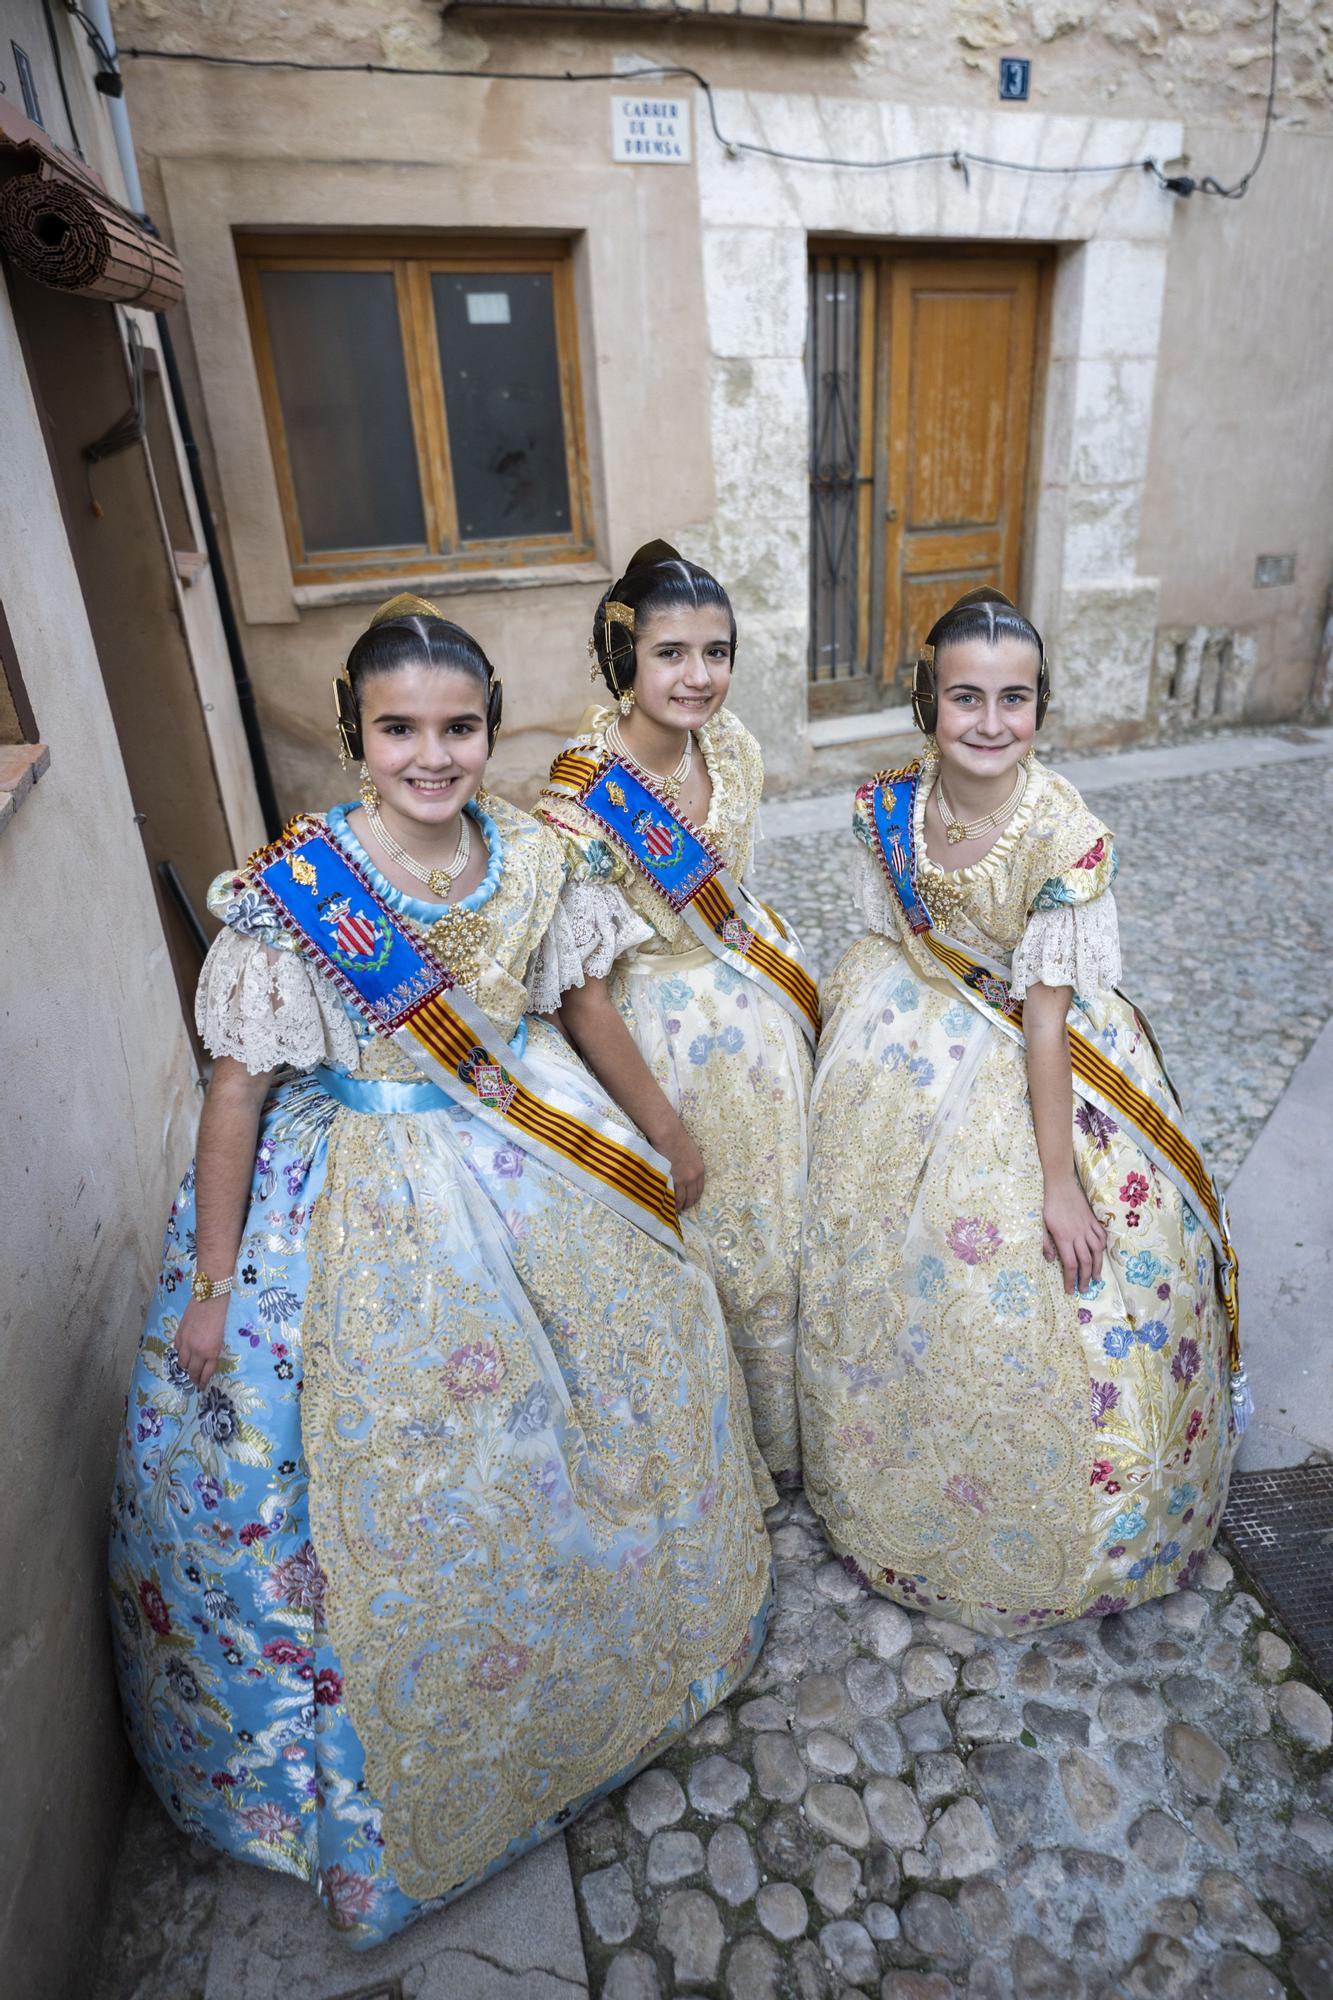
(54, 40)
(952, 156)
(1208, 185)
(957, 157)
(108, 78)
(127, 430)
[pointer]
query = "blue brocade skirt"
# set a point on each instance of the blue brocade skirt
(462, 1531)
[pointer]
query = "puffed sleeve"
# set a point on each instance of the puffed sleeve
(874, 899)
(1072, 936)
(593, 925)
(870, 889)
(258, 1002)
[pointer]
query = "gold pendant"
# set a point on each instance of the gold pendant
(953, 834)
(439, 883)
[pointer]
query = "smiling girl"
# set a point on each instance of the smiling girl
(686, 998)
(1017, 1291)
(434, 1512)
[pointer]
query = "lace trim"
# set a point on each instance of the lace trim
(874, 898)
(264, 1008)
(592, 927)
(1078, 947)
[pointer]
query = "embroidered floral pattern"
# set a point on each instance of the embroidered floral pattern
(929, 1315)
(973, 1239)
(517, 1371)
(728, 1057)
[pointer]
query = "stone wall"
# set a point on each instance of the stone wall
(1207, 61)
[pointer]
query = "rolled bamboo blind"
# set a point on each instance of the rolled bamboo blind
(66, 234)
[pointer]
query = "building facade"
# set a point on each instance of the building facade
(124, 782)
(445, 337)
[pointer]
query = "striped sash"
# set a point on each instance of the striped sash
(1106, 1079)
(689, 874)
(324, 901)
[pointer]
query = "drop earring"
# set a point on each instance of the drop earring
(369, 790)
(626, 700)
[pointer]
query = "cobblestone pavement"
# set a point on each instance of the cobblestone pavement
(1225, 928)
(1139, 1805)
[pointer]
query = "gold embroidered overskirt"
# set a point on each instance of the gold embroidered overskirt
(737, 1069)
(978, 1442)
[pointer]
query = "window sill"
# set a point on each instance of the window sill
(456, 583)
(21, 765)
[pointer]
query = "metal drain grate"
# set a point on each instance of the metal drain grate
(1279, 1526)
(387, 1989)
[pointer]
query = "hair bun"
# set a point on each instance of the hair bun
(652, 552)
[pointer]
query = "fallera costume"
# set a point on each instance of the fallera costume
(715, 994)
(976, 1441)
(465, 1526)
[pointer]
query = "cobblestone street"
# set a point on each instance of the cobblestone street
(1141, 1805)
(892, 1806)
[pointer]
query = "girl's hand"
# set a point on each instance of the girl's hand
(687, 1167)
(1073, 1236)
(199, 1338)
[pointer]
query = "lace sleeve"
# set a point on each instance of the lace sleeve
(1075, 945)
(874, 898)
(264, 1008)
(592, 927)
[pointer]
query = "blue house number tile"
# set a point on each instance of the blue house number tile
(1014, 77)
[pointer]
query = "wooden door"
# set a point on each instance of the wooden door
(959, 347)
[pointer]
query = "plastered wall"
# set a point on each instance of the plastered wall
(97, 1102)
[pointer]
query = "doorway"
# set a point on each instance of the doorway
(920, 368)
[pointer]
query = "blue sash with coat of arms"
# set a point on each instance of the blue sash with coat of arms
(355, 940)
(688, 872)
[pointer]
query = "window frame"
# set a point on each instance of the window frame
(413, 261)
(18, 724)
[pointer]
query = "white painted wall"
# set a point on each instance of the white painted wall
(97, 1103)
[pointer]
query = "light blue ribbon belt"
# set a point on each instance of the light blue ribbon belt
(374, 1094)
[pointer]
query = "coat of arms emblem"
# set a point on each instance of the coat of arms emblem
(358, 936)
(492, 1083)
(662, 842)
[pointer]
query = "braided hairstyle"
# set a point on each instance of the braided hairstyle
(410, 632)
(657, 578)
(980, 614)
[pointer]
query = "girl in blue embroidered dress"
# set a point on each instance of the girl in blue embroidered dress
(441, 1518)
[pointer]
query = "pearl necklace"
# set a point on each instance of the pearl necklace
(438, 880)
(618, 747)
(956, 829)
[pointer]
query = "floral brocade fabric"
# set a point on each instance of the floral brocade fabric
(464, 1528)
(729, 1057)
(976, 1441)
